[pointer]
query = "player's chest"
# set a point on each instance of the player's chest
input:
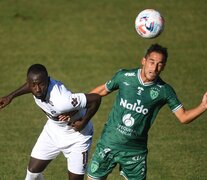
(147, 95)
(49, 107)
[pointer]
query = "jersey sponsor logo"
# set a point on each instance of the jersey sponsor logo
(130, 74)
(128, 120)
(74, 101)
(154, 92)
(125, 130)
(134, 107)
(140, 90)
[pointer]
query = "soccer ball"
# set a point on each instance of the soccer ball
(149, 23)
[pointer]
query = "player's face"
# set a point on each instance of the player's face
(38, 84)
(152, 65)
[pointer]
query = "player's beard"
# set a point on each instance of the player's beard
(151, 76)
(148, 76)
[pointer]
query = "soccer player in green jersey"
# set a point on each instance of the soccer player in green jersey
(141, 94)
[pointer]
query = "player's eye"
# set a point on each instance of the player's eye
(152, 62)
(160, 65)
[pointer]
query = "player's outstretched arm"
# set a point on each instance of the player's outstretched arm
(187, 116)
(4, 101)
(93, 103)
(101, 90)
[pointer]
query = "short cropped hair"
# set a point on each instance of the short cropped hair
(36, 69)
(159, 49)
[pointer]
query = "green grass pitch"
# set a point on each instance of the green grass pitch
(83, 43)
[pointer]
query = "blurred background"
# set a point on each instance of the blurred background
(83, 43)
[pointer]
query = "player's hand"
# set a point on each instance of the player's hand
(78, 125)
(204, 100)
(4, 101)
(63, 117)
(66, 116)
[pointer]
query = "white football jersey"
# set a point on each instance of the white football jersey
(60, 100)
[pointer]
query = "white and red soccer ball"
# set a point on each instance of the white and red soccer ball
(149, 23)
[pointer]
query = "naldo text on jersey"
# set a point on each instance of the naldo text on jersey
(134, 107)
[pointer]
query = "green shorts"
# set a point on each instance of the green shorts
(133, 165)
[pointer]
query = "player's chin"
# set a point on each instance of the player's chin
(39, 96)
(151, 77)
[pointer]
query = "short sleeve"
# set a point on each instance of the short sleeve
(113, 84)
(172, 99)
(78, 100)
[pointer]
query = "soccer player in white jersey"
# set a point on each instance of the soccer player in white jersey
(72, 135)
(141, 94)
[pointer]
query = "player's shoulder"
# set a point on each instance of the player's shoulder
(127, 72)
(57, 87)
(55, 84)
(160, 82)
(59, 95)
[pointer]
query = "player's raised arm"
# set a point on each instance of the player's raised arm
(4, 101)
(93, 103)
(101, 90)
(187, 116)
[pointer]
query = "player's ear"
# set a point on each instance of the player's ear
(143, 61)
(163, 66)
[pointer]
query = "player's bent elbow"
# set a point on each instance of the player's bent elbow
(184, 121)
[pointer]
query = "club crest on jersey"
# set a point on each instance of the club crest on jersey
(154, 92)
(94, 166)
(74, 101)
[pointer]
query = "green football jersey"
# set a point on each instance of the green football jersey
(135, 109)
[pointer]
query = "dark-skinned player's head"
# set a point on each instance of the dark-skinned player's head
(38, 80)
